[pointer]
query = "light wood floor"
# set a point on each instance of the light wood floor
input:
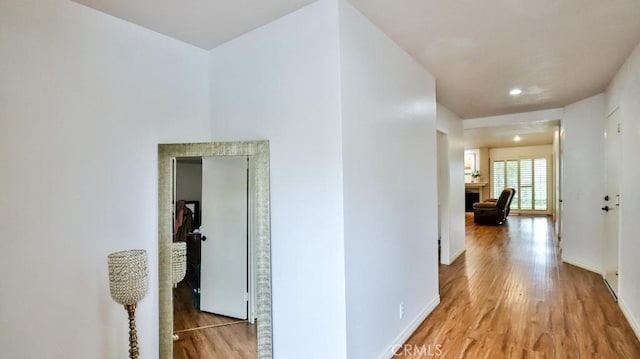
(510, 296)
(209, 336)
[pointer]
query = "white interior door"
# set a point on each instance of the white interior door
(612, 201)
(223, 275)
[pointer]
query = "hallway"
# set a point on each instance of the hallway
(510, 296)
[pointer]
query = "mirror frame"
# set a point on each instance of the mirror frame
(259, 153)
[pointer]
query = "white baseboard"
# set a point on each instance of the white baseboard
(582, 265)
(630, 318)
(406, 333)
(455, 256)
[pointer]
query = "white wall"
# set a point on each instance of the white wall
(389, 161)
(451, 124)
(484, 166)
(189, 181)
(583, 184)
(84, 101)
(281, 82)
(624, 91)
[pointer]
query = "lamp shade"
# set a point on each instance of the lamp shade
(178, 261)
(128, 276)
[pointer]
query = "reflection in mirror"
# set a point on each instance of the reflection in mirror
(224, 303)
(214, 306)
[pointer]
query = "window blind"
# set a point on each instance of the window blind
(528, 176)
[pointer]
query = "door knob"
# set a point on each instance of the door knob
(605, 208)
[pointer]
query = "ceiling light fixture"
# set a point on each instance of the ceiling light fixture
(517, 138)
(515, 92)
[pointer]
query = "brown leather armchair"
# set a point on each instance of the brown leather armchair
(494, 211)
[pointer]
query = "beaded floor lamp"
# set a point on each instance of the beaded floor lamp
(178, 266)
(178, 261)
(128, 284)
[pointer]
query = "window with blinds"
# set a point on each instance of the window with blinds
(528, 176)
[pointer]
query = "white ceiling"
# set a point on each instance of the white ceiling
(558, 52)
(531, 134)
(203, 23)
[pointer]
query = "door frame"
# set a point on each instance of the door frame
(614, 202)
(444, 212)
(259, 153)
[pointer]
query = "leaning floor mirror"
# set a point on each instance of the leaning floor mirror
(215, 197)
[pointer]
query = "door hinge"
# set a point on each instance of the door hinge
(619, 128)
(246, 296)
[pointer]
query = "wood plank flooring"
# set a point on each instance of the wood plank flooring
(233, 341)
(186, 316)
(510, 296)
(209, 336)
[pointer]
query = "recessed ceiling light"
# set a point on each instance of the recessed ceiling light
(515, 92)
(517, 138)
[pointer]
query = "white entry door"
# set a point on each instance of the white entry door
(612, 201)
(223, 275)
